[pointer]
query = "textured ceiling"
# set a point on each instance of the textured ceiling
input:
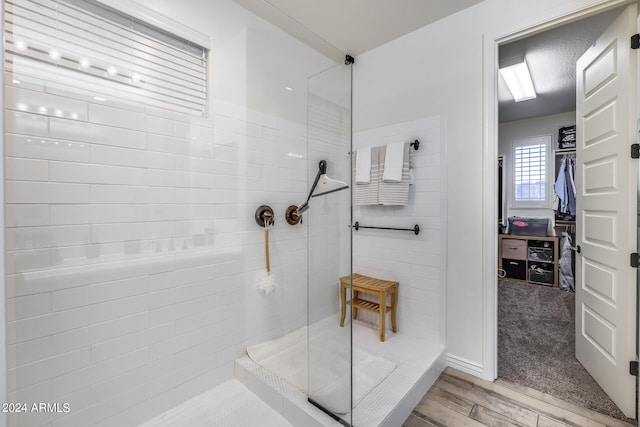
(551, 57)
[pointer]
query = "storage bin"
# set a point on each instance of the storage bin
(541, 273)
(521, 226)
(567, 137)
(540, 254)
(540, 250)
(515, 269)
(514, 249)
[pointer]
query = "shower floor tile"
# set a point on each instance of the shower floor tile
(230, 404)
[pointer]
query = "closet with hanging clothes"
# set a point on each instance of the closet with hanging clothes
(565, 186)
(564, 207)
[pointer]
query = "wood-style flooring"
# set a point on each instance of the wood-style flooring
(458, 399)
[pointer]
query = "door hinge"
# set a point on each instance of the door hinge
(633, 368)
(635, 41)
(635, 151)
(634, 260)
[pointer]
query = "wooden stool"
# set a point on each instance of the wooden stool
(372, 286)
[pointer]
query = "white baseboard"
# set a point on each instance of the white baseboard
(468, 366)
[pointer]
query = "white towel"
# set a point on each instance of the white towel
(393, 162)
(363, 165)
(394, 193)
(367, 194)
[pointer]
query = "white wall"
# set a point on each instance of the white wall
(438, 71)
(416, 261)
(132, 250)
(522, 129)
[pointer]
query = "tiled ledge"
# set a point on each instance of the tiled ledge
(280, 395)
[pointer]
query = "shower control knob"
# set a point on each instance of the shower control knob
(264, 216)
(292, 216)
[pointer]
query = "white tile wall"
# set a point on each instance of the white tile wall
(26, 169)
(29, 147)
(24, 215)
(133, 256)
(417, 262)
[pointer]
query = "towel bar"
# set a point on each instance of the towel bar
(415, 229)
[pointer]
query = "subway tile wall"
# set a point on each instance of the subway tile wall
(133, 254)
(417, 262)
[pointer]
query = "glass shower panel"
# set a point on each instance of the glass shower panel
(329, 238)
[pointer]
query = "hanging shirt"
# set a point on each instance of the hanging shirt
(572, 174)
(560, 187)
(571, 187)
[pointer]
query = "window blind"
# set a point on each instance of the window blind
(96, 49)
(530, 172)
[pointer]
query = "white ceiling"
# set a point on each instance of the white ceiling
(336, 27)
(356, 26)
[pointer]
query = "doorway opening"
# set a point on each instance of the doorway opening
(536, 266)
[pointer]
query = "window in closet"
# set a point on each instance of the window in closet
(530, 172)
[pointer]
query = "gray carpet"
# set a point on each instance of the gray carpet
(536, 345)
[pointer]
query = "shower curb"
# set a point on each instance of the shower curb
(399, 414)
(290, 402)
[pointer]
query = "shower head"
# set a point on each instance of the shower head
(321, 185)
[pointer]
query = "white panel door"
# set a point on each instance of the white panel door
(606, 179)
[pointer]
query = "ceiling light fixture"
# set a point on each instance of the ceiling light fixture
(518, 80)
